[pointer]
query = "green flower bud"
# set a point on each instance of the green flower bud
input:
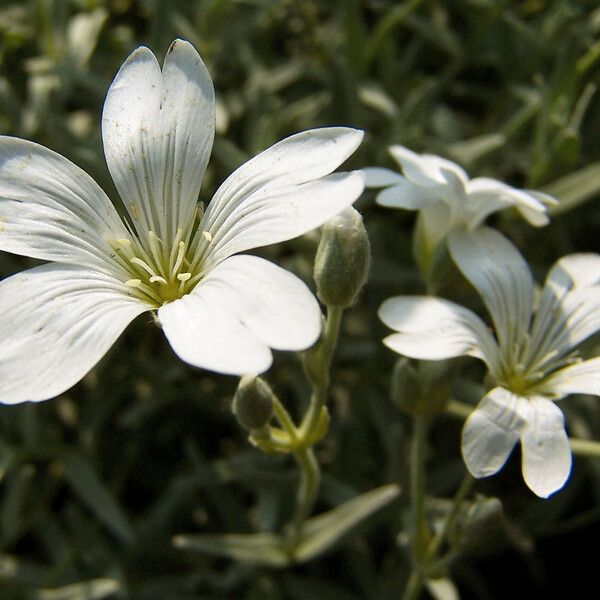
(343, 259)
(421, 388)
(479, 523)
(253, 403)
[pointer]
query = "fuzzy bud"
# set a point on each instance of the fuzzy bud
(253, 403)
(420, 388)
(343, 259)
(478, 524)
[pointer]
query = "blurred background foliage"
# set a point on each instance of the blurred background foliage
(94, 484)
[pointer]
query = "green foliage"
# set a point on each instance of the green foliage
(95, 484)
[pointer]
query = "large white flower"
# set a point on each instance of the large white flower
(531, 358)
(219, 311)
(446, 197)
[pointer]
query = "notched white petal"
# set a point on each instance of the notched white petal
(158, 129)
(273, 304)
(546, 452)
(269, 216)
(52, 210)
(580, 378)
(204, 334)
(298, 159)
(57, 322)
(434, 329)
(492, 430)
(501, 276)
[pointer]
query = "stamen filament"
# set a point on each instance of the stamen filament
(138, 261)
(136, 283)
(156, 251)
(179, 260)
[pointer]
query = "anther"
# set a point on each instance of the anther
(183, 277)
(158, 279)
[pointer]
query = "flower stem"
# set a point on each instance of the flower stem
(417, 487)
(416, 579)
(319, 392)
(588, 448)
(310, 473)
(310, 479)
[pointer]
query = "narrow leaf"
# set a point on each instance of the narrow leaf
(468, 151)
(258, 548)
(81, 476)
(95, 589)
(322, 531)
(574, 189)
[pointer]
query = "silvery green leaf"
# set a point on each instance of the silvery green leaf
(468, 151)
(323, 531)
(574, 189)
(266, 549)
(82, 477)
(95, 589)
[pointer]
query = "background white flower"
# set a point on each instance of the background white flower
(531, 358)
(446, 197)
(218, 311)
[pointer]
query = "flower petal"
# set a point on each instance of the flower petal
(57, 321)
(278, 184)
(492, 430)
(407, 195)
(378, 177)
(243, 307)
(580, 378)
(558, 325)
(501, 276)
(489, 195)
(575, 270)
(276, 215)
(435, 329)
(546, 451)
(52, 210)
(205, 334)
(273, 304)
(427, 169)
(158, 129)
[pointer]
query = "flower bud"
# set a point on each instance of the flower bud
(253, 403)
(343, 259)
(480, 522)
(421, 388)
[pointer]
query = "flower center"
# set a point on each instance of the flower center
(159, 272)
(525, 370)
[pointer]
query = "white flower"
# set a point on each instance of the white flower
(219, 311)
(445, 196)
(531, 358)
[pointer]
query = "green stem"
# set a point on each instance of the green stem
(588, 448)
(416, 579)
(310, 479)
(282, 415)
(419, 532)
(417, 487)
(438, 539)
(580, 447)
(319, 393)
(310, 473)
